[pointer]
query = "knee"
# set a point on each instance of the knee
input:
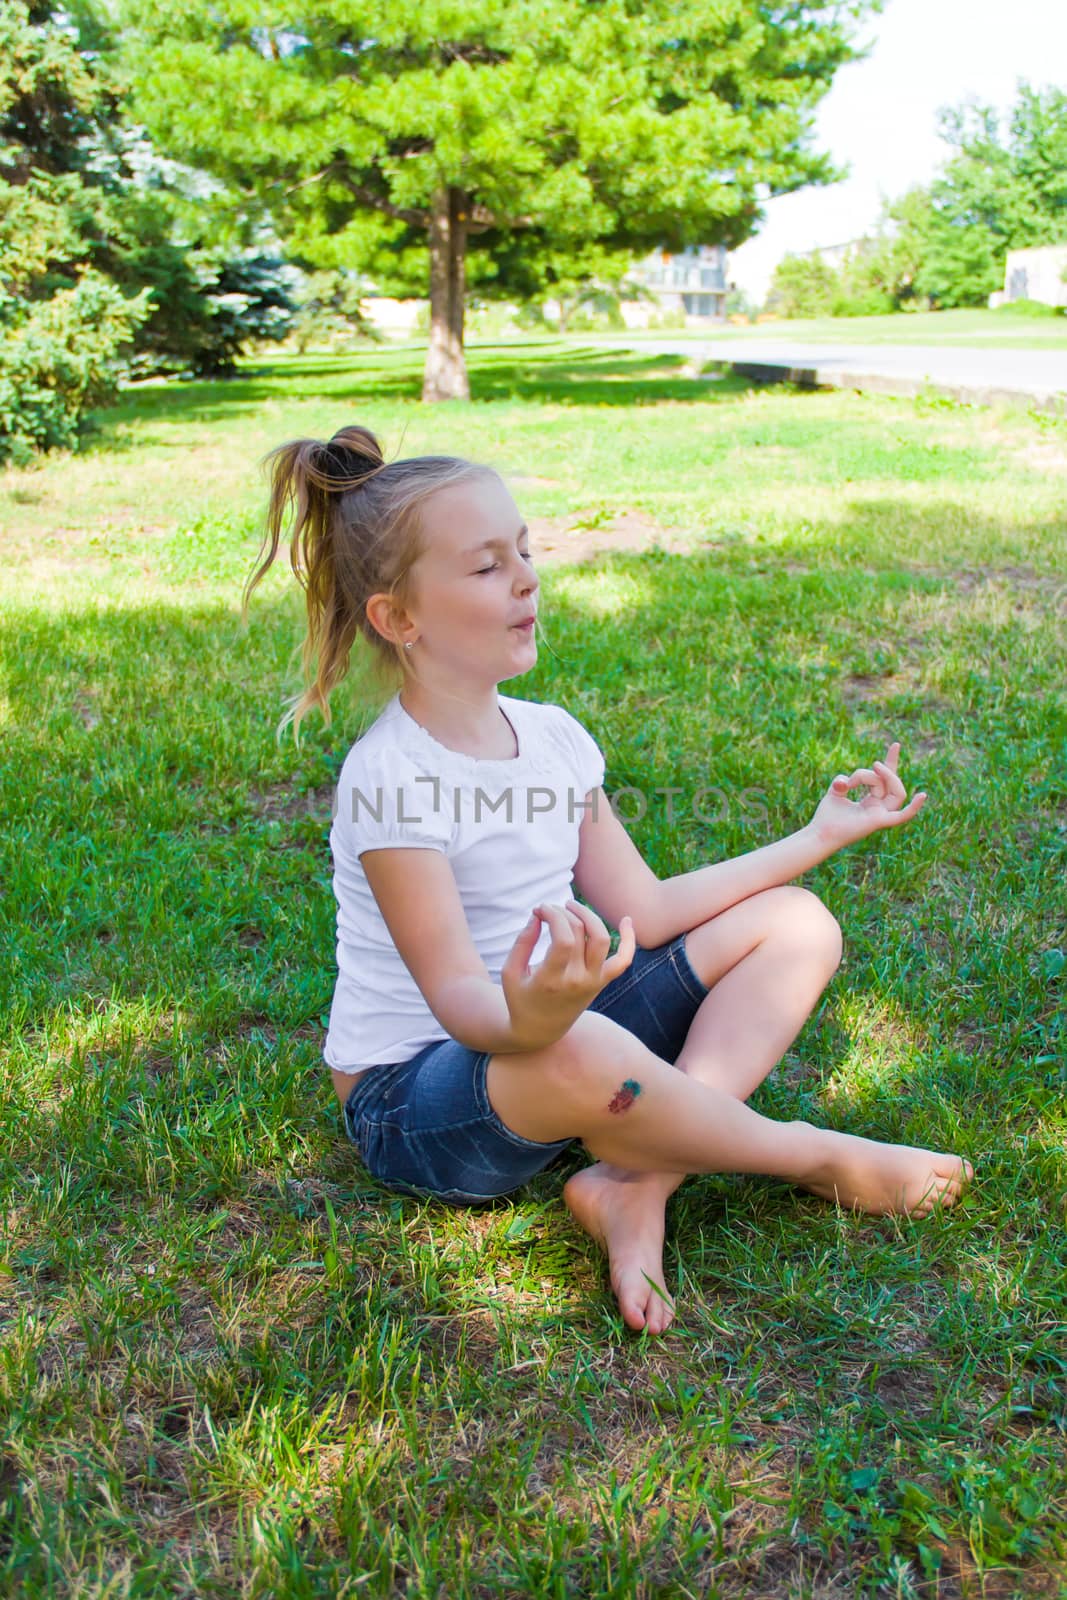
(808, 919)
(590, 1043)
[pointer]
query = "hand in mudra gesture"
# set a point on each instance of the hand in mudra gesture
(839, 820)
(545, 1002)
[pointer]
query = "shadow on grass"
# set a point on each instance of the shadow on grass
(575, 377)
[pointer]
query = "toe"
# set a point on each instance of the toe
(945, 1194)
(631, 1300)
(664, 1319)
(635, 1316)
(659, 1311)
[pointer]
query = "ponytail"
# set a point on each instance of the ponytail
(356, 531)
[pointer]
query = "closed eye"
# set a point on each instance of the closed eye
(525, 554)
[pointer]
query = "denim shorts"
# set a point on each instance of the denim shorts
(425, 1126)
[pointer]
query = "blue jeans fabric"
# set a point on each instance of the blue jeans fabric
(426, 1126)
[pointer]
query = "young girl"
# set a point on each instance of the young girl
(479, 1024)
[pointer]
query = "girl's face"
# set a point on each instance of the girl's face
(474, 584)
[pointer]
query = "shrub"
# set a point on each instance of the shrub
(1031, 308)
(58, 360)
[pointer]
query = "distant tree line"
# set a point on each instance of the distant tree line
(944, 245)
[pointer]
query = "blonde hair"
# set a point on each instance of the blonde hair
(356, 531)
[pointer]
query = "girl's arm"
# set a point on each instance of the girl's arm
(693, 897)
(697, 896)
(613, 877)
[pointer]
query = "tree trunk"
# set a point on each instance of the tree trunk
(445, 377)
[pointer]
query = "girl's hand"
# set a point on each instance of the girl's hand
(839, 821)
(545, 1002)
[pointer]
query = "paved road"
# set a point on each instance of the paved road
(978, 374)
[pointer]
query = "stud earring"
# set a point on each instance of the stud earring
(407, 646)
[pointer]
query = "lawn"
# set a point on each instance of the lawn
(232, 1364)
(982, 329)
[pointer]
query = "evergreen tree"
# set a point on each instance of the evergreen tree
(82, 191)
(63, 324)
(491, 141)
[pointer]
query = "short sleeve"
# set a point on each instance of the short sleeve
(587, 756)
(384, 802)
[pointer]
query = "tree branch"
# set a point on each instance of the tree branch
(479, 218)
(377, 202)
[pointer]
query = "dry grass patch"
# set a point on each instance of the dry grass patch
(573, 537)
(281, 802)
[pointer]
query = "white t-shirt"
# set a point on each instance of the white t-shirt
(508, 827)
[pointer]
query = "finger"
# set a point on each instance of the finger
(852, 780)
(590, 947)
(519, 955)
(598, 939)
(625, 953)
(560, 929)
(579, 933)
(912, 809)
(892, 755)
(587, 914)
(892, 781)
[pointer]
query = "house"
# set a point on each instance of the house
(1035, 274)
(693, 282)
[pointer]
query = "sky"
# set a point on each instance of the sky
(880, 116)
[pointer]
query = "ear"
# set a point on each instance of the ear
(386, 619)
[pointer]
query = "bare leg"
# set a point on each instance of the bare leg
(676, 1124)
(768, 959)
(600, 1084)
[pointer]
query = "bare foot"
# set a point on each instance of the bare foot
(625, 1217)
(866, 1175)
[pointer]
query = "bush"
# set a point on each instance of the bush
(803, 286)
(329, 312)
(869, 302)
(492, 320)
(740, 304)
(1030, 308)
(208, 305)
(667, 319)
(594, 320)
(59, 360)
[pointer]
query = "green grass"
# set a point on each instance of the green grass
(1001, 328)
(232, 1364)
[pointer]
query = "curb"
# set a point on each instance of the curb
(881, 383)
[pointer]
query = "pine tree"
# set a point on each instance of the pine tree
(483, 140)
